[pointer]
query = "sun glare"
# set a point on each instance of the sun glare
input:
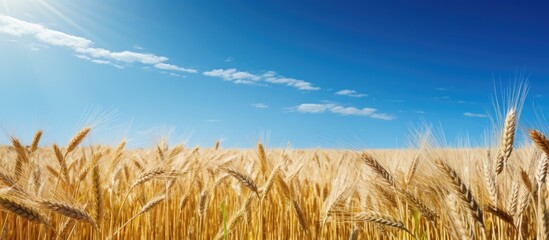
(18, 6)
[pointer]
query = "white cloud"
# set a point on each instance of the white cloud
(101, 61)
(171, 67)
(341, 110)
(313, 108)
(269, 77)
(82, 46)
(272, 77)
(468, 114)
(98, 61)
(260, 105)
(85, 49)
(83, 57)
(350, 93)
(353, 111)
(382, 116)
(124, 56)
(229, 59)
(245, 82)
(231, 74)
(441, 89)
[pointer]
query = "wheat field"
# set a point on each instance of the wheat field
(175, 192)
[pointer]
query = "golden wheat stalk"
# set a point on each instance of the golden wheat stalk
(62, 163)
(270, 182)
(540, 140)
(69, 211)
(244, 179)
(77, 139)
(66, 229)
(147, 207)
(22, 209)
(217, 143)
(98, 198)
(35, 141)
(354, 233)
(427, 212)
(380, 170)
(20, 150)
(464, 194)
(462, 229)
(490, 182)
(262, 157)
(300, 215)
(500, 213)
(525, 177)
(412, 170)
(383, 220)
(508, 138)
(513, 198)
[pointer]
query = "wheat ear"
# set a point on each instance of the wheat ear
(465, 195)
(62, 163)
(428, 213)
(244, 179)
(508, 138)
(380, 170)
(383, 220)
(19, 208)
(77, 139)
(35, 141)
(22, 157)
(513, 198)
(412, 170)
(490, 182)
(98, 200)
(69, 211)
(500, 213)
(147, 207)
(262, 157)
(270, 182)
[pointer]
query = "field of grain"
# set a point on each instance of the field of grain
(175, 192)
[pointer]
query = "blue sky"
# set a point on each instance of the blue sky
(314, 73)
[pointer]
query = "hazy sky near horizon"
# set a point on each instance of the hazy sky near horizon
(313, 73)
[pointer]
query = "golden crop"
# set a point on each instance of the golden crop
(101, 192)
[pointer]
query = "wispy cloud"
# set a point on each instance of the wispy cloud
(341, 110)
(231, 75)
(441, 89)
(171, 67)
(350, 93)
(85, 49)
(260, 105)
(82, 46)
(229, 59)
(271, 77)
(98, 61)
(479, 115)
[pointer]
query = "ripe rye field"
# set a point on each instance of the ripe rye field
(174, 192)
